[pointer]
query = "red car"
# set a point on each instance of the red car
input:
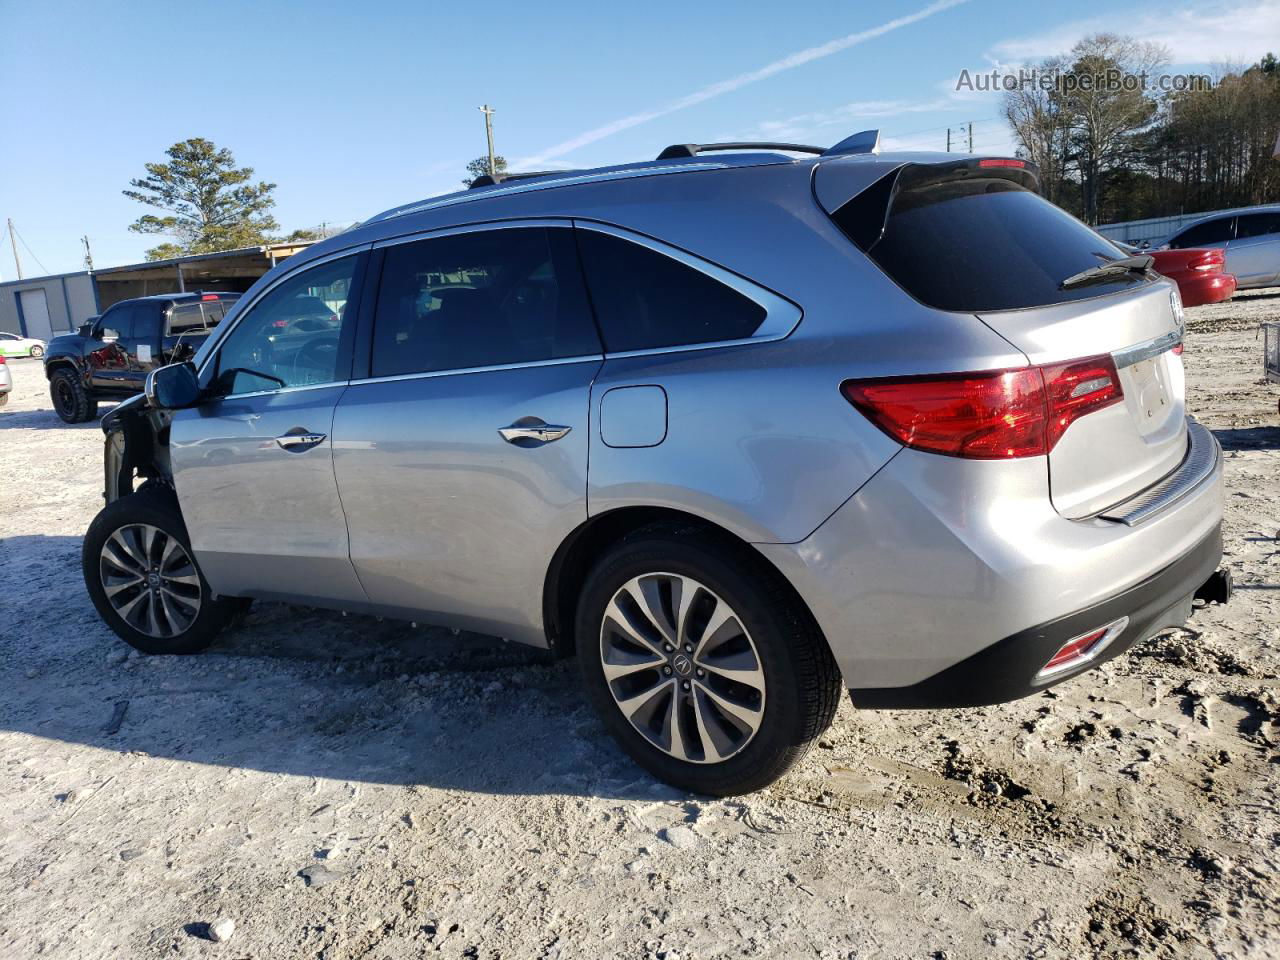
(1198, 274)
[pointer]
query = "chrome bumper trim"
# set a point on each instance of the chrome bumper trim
(1197, 467)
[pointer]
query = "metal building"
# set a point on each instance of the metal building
(44, 307)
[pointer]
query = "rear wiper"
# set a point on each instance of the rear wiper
(1138, 263)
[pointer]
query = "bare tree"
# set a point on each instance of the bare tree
(1042, 124)
(1105, 113)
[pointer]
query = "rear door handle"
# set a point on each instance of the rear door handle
(530, 431)
(299, 442)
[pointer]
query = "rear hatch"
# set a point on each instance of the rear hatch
(973, 237)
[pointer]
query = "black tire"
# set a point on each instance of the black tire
(71, 400)
(152, 508)
(802, 681)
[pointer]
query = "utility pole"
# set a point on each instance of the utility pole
(971, 136)
(14, 243)
(488, 133)
(948, 139)
(88, 254)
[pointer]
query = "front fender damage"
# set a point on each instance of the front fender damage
(136, 448)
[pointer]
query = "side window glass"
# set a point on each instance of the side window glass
(118, 321)
(481, 299)
(292, 336)
(1214, 231)
(184, 318)
(644, 299)
(1258, 225)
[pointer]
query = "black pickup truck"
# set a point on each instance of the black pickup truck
(110, 357)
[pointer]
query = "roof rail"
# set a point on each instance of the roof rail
(679, 151)
(865, 141)
(492, 179)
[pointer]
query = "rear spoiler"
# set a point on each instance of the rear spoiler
(838, 180)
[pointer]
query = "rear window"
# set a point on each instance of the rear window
(1202, 234)
(970, 240)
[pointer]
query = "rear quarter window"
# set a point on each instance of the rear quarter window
(958, 239)
(645, 300)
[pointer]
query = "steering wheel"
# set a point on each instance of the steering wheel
(315, 356)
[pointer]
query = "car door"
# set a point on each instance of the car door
(1254, 254)
(107, 351)
(461, 456)
(253, 464)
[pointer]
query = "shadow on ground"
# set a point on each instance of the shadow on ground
(1249, 438)
(299, 691)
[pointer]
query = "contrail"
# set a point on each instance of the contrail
(735, 83)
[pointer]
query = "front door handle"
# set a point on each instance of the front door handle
(530, 431)
(299, 441)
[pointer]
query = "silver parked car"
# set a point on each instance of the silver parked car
(1249, 236)
(737, 430)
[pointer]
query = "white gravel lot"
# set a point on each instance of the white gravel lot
(340, 787)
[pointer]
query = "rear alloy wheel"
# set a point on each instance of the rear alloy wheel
(681, 668)
(37, 351)
(701, 660)
(142, 576)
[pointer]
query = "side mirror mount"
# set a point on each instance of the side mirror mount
(174, 387)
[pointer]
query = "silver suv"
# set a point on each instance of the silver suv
(736, 429)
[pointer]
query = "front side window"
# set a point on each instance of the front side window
(481, 299)
(1203, 234)
(645, 300)
(292, 336)
(118, 321)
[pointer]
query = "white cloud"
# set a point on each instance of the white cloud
(1195, 34)
(733, 83)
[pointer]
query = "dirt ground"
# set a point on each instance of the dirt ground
(341, 787)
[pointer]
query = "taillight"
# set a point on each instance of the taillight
(209, 296)
(1001, 162)
(1208, 260)
(996, 415)
(279, 324)
(1177, 349)
(1, 359)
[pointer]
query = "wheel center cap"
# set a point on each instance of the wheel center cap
(682, 665)
(153, 579)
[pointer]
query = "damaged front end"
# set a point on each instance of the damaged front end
(137, 448)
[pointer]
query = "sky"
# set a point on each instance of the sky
(352, 108)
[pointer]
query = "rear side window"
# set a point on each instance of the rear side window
(481, 299)
(1212, 231)
(1258, 225)
(185, 318)
(970, 240)
(644, 299)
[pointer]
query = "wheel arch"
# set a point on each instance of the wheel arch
(578, 552)
(53, 364)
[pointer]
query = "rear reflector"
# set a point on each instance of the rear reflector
(1083, 648)
(993, 415)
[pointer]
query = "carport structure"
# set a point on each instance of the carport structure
(44, 307)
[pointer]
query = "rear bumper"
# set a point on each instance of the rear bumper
(1196, 291)
(1007, 670)
(937, 562)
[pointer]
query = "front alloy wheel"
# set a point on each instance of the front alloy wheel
(682, 668)
(150, 581)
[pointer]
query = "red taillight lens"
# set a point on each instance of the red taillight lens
(209, 296)
(986, 416)
(1076, 388)
(998, 415)
(1177, 350)
(1209, 260)
(1, 359)
(279, 324)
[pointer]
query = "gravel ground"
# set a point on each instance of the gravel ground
(341, 787)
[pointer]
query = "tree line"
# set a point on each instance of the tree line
(1111, 151)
